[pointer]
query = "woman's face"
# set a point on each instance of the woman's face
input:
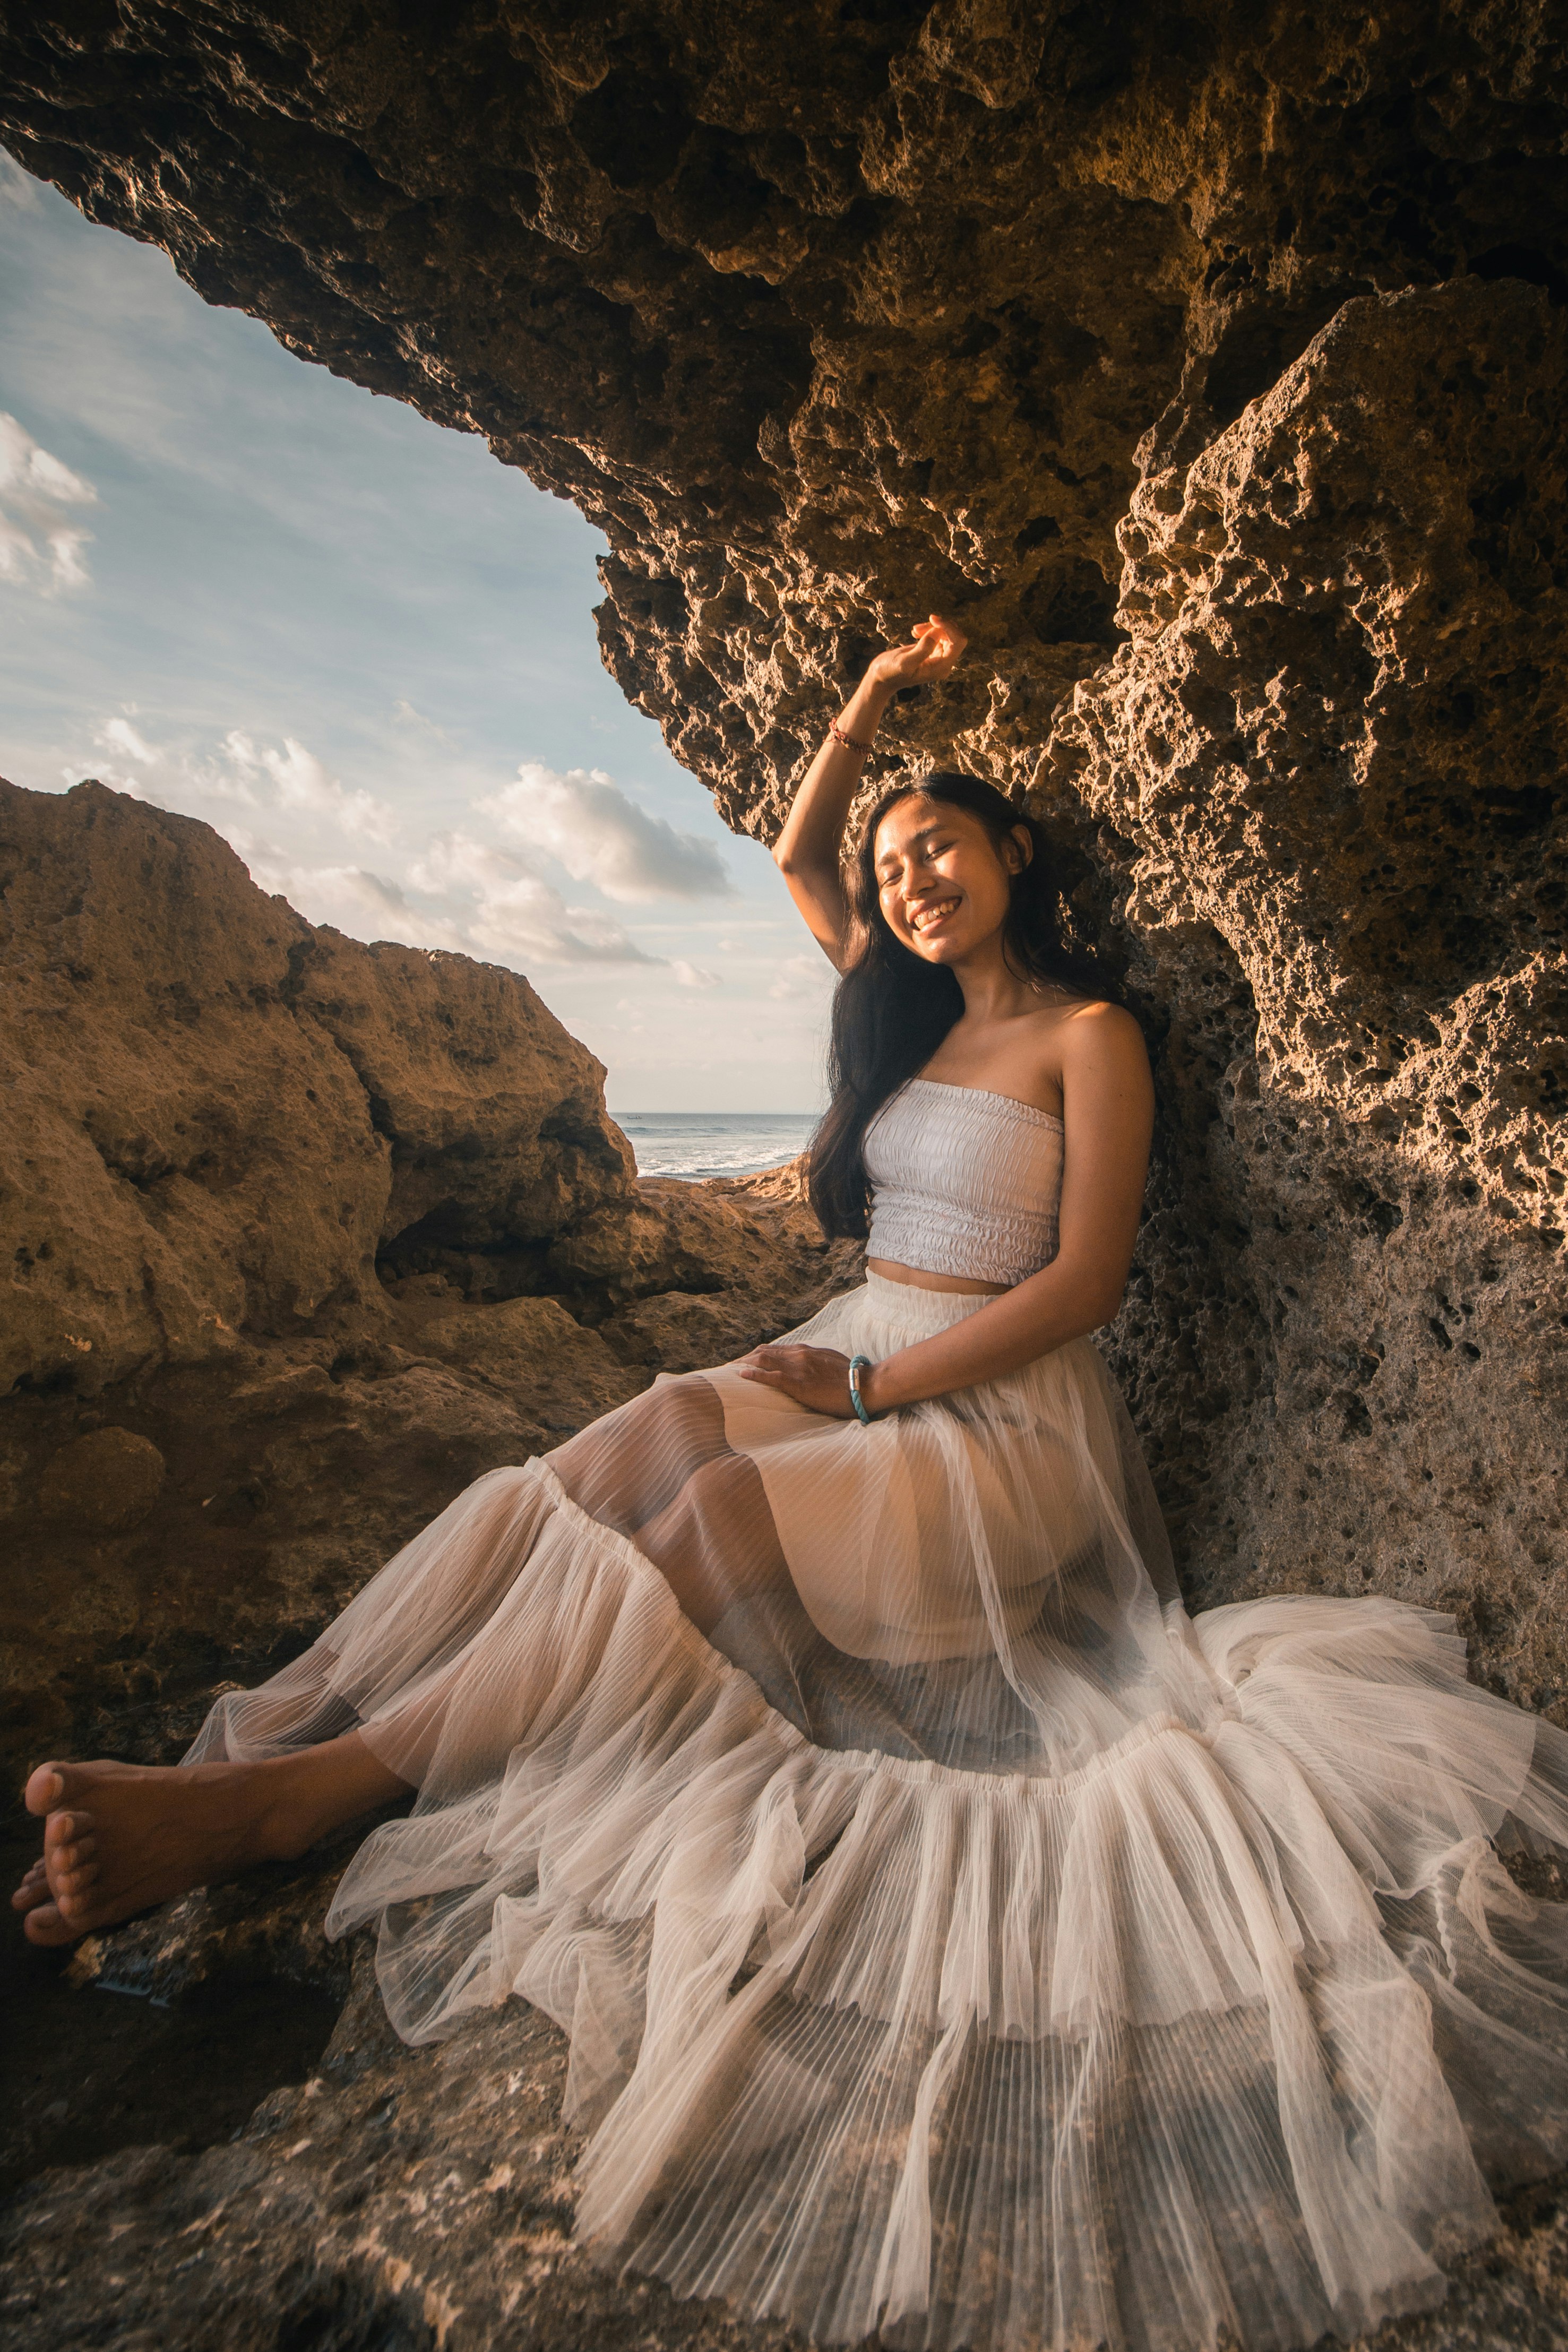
(942, 888)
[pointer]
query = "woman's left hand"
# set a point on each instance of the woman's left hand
(818, 1377)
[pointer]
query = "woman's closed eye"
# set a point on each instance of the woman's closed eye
(927, 854)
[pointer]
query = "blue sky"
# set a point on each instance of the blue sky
(360, 648)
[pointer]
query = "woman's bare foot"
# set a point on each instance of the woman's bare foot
(119, 1838)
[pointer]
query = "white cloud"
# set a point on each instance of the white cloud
(288, 781)
(586, 822)
(512, 912)
(453, 861)
(693, 975)
(119, 735)
(405, 714)
(40, 546)
(303, 785)
(802, 976)
(366, 906)
(518, 917)
(456, 891)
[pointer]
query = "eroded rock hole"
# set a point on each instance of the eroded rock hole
(1072, 604)
(342, 2310)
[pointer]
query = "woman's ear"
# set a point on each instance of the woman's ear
(1019, 849)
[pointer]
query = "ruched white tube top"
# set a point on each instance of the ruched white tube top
(963, 1182)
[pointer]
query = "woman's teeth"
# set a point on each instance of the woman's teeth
(924, 916)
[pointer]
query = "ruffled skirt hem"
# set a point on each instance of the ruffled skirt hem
(1218, 2036)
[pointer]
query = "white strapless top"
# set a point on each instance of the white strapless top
(963, 1182)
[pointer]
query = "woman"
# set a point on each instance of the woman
(952, 1937)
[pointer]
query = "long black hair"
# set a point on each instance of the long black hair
(891, 1008)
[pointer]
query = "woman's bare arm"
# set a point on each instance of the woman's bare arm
(807, 851)
(1107, 1111)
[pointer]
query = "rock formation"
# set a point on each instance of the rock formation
(1207, 363)
(222, 1115)
(826, 314)
(304, 1236)
(1318, 782)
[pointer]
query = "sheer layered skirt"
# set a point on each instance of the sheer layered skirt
(952, 1937)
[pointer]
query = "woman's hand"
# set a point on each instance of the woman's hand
(932, 656)
(818, 1377)
(807, 851)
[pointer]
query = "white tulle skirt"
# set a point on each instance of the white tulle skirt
(953, 1938)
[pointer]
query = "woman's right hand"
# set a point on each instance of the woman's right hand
(932, 656)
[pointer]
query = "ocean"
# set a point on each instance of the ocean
(694, 1143)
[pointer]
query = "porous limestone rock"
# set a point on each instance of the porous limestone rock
(527, 1348)
(754, 1257)
(398, 2200)
(679, 1236)
(293, 1472)
(826, 314)
(1320, 786)
(294, 1469)
(681, 1330)
(741, 1235)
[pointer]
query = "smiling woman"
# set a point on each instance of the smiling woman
(955, 1939)
(240, 588)
(944, 861)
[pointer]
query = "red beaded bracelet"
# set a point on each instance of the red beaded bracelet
(847, 741)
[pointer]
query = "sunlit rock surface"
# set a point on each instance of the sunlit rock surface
(1319, 783)
(1207, 366)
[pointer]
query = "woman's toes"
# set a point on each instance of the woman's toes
(45, 1925)
(46, 1789)
(34, 1888)
(69, 1844)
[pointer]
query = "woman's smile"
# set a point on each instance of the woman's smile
(930, 912)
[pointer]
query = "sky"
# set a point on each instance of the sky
(360, 648)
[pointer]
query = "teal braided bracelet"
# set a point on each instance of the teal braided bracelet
(858, 1363)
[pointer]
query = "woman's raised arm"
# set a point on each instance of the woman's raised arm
(807, 851)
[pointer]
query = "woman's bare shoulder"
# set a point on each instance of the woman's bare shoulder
(1095, 1032)
(1099, 1013)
